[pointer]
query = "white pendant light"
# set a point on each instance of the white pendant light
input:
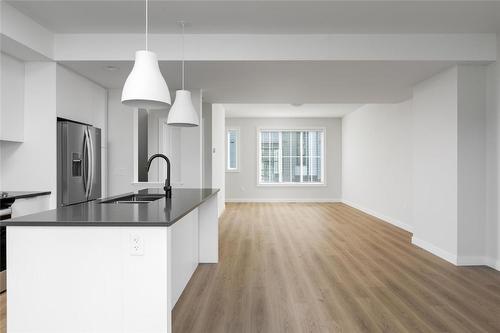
(145, 87)
(182, 113)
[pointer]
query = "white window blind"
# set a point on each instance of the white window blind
(291, 156)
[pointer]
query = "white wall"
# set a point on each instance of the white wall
(435, 164)
(471, 164)
(206, 123)
(242, 185)
(154, 117)
(120, 145)
(31, 165)
(377, 165)
(191, 143)
(427, 165)
(219, 154)
(493, 164)
(12, 99)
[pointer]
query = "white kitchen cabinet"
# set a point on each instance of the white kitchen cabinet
(26, 206)
(12, 99)
(80, 99)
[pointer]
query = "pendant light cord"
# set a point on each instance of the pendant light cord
(182, 24)
(147, 24)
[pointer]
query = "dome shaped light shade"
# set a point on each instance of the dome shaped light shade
(182, 112)
(145, 87)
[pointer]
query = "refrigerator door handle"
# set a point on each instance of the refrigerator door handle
(92, 159)
(88, 180)
(85, 167)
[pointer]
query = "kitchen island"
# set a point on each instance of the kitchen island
(113, 265)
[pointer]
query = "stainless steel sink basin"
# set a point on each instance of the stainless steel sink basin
(134, 199)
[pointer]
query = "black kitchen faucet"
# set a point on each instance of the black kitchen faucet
(167, 187)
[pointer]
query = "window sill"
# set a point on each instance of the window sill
(231, 171)
(291, 184)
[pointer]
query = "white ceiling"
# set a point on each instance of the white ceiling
(271, 17)
(289, 111)
(282, 81)
(271, 82)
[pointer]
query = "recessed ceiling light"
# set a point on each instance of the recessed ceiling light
(111, 68)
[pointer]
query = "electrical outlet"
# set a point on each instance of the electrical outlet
(136, 245)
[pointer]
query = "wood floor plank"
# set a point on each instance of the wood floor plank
(3, 312)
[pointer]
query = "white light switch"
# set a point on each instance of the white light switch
(136, 244)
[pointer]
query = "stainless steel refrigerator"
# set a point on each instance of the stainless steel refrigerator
(78, 163)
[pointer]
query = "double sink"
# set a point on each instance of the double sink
(133, 199)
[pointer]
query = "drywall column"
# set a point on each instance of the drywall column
(449, 182)
(471, 165)
(206, 127)
(219, 154)
(120, 145)
(435, 188)
(493, 164)
(191, 146)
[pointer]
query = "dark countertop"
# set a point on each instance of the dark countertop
(21, 194)
(162, 212)
(7, 198)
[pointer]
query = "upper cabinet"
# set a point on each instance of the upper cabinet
(12, 99)
(80, 99)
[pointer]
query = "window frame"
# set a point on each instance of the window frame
(237, 130)
(259, 130)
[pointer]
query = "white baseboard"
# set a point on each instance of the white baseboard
(472, 261)
(273, 200)
(443, 254)
(456, 260)
(382, 217)
(493, 263)
(479, 261)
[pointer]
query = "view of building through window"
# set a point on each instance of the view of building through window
(232, 149)
(291, 156)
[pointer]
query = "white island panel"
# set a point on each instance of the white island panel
(84, 279)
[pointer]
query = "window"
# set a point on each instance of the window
(291, 156)
(232, 139)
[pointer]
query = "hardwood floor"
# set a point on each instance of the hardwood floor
(3, 313)
(329, 268)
